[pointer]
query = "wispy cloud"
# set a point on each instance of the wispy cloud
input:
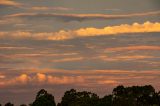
(78, 17)
(85, 32)
(43, 8)
(68, 59)
(124, 58)
(9, 3)
(14, 48)
(133, 48)
(30, 55)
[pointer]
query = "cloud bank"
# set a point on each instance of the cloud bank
(87, 78)
(85, 32)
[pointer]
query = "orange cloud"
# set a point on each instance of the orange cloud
(84, 78)
(85, 32)
(15, 48)
(41, 77)
(42, 8)
(60, 57)
(24, 78)
(124, 28)
(2, 76)
(65, 80)
(109, 30)
(68, 59)
(134, 48)
(9, 3)
(113, 82)
(122, 58)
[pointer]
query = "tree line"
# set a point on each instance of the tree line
(121, 96)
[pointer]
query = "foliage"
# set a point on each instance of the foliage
(74, 98)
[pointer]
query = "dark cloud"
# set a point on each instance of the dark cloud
(79, 17)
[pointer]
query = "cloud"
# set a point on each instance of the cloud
(82, 78)
(65, 80)
(22, 79)
(2, 76)
(14, 48)
(108, 82)
(124, 58)
(32, 55)
(133, 48)
(73, 59)
(9, 3)
(43, 8)
(124, 28)
(41, 78)
(85, 32)
(77, 17)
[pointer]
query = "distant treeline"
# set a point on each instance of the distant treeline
(121, 96)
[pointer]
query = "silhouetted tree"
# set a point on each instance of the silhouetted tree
(59, 104)
(133, 96)
(157, 98)
(9, 104)
(73, 98)
(105, 101)
(44, 99)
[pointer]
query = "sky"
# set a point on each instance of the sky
(91, 45)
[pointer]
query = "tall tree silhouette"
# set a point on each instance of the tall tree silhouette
(43, 98)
